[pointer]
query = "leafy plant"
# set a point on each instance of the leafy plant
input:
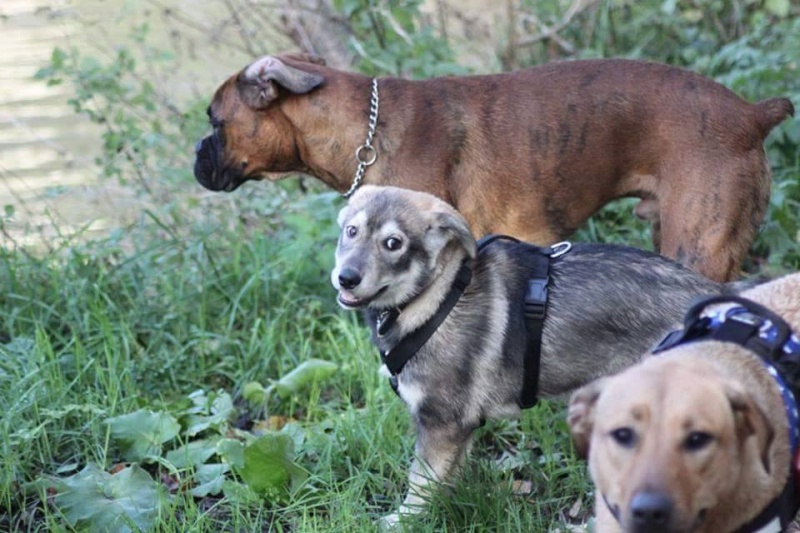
(127, 500)
(392, 37)
(129, 496)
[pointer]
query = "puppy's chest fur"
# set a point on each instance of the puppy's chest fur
(472, 366)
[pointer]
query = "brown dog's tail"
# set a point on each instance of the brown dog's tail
(772, 112)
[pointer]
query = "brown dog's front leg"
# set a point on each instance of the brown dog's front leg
(440, 450)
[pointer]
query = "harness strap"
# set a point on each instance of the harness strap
(535, 311)
(535, 308)
(397, 357)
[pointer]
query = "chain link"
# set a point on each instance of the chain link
(366, 154)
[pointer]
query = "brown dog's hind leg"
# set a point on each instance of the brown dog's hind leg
(648, 211)
(710, 228)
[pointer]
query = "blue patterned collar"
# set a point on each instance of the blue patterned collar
(768, 332)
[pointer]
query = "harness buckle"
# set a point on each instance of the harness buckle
(536, 298)
(747, 318)
(560, 248)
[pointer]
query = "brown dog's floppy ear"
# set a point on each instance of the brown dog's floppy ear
(580, 416)
(750, 420)
(305, 56)
(258, 83)
(453, 223)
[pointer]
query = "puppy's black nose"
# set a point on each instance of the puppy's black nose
(651, 512)
(349, 278)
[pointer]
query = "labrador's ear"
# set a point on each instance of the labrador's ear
(580, 416)
(750, 421)
(258, 84)
(454, 226)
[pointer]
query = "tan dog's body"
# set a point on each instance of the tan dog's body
(666, 405)
(531, 154)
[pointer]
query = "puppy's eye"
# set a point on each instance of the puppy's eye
(696, 441)
(625, 437)
(393, 244)
(351, 231)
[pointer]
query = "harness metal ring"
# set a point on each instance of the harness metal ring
(560, 248)
(370, 156)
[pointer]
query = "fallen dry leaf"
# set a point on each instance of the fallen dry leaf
(521, 486)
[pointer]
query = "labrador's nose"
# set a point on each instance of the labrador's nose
(651, 512)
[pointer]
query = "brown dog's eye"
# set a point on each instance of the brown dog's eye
(696, 441)
(351, 231)
(393, 244)
(625, 437)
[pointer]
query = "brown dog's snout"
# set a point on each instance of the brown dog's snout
(651, 512)
(203, 163)
(349, 278)
(209, 169)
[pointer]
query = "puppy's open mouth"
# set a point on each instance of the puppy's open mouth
(350, 301)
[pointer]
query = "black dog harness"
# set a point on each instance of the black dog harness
(758, 329)
(535, 305)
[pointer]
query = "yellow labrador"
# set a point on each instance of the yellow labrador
(702, 436)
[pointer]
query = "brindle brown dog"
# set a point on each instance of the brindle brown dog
(531, 153)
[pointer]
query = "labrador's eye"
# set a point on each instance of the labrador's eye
(351, 231)
(696, 441)
(393, 244)
(625, 437)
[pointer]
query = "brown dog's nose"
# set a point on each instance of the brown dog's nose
(349, 278)
(651, 512)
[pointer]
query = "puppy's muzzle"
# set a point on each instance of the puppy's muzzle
(651, 512)
(209, 170)
(349, 278)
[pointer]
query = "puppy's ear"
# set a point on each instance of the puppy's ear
(750, 420)
(580, 416)
(451, 223)
(258, 84)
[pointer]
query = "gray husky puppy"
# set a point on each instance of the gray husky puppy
(400, 252)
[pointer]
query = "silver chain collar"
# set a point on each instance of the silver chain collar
(366, 154)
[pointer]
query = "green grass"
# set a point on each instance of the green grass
(104, 328)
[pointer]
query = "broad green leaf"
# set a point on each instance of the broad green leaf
(210, 478)
(779, 8)
(304, 375)
(269, 466)
(209, 412)
(232, 452)
(194, 453)
(254, 392)
(98, 501)
(141, 433)
(240, 494)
